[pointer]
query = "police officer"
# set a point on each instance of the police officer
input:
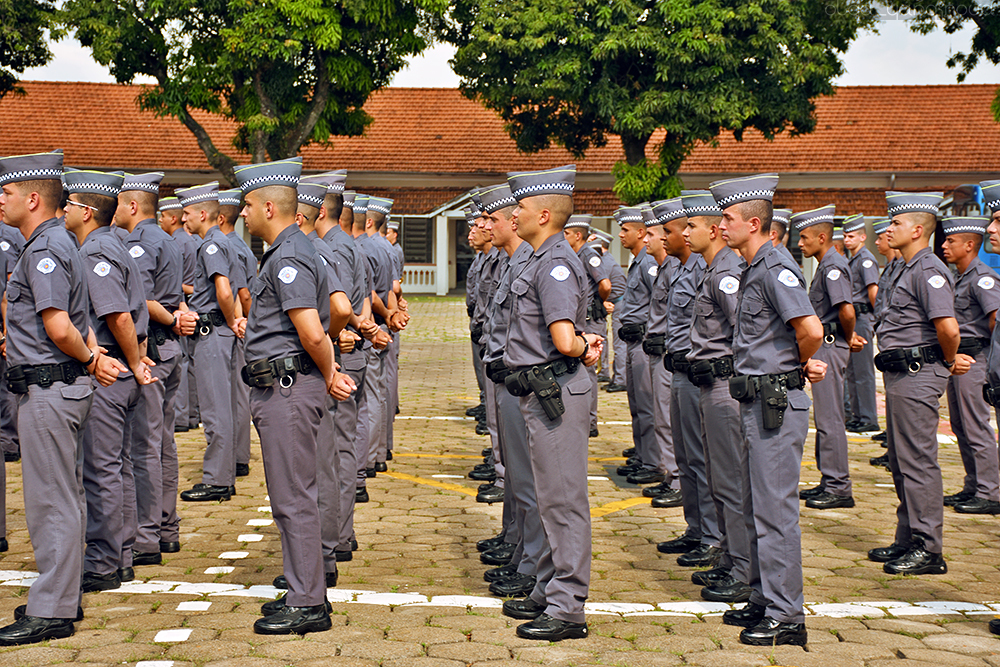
(780, 220)
(601, 241)
(10, 243)
(545, 347)
(991, 193)
(861, 366)
(775, 336)
(390, 232)
(51, 351)
(477, 243)
(918, 339)
(831, 295)
(153, 449)
(977, 296)
(892, 264)
(215, 344)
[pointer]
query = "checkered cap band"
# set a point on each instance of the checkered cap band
(699, 202)
(579, 221)
(818, 216)
(80, 181)
(349, 199)
(499, 204)
(35, 167)
(143, 182)
(913, 202)
(749, 195)
(917, 207)
(543, 189)
(393, 224)
(838, 234)
(199, 193)
(668, 210)
(991, 194)
(496, 197)
(777, 217)
(880, 227)
(556, 181)
(854, 223)
(748, 188)
(310, 200)
(380, 205)
(601, 234)
(965, 225)
(285, 173)
(170, 204)
(230, 197)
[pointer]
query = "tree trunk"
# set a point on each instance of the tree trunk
(635, 148)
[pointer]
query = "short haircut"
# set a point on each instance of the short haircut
(779, 228)
(229, 213)
(977, 239)
(309, 212)
(104, 206)
(211, 209)
(758, 208)
(377, 217)
(825, 228)
(145, 201)
(49, 189)
(284, 198)
(560, 206)
(334, 203)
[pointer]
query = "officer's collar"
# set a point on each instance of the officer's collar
(282, 236)
(975, 262)
(214, 230)
(920, 253)
(762, 252)
(550, 242)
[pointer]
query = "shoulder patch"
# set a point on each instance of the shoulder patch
(136, 251)
(287, 275)
(46, 265)
(211, 249)
(729, 285)
(786, 277)
(4, 246)
(937, 282)
(986, 282)
(653, 270)
(834, 274)
(102, 268)
(867, 263)
(560, 273)
(595, 261)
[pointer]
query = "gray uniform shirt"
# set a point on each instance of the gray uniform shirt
(864, 272)
(48, 274)
(680, 302)
(291, 276)
(161, 265)
(214, 259)
(922, 290)
(381, 269)
(595, 269)
(400, 259)
(888, 273)
(638, 289)
(244, 259)
(552, 287)
(351, 270)
(189, 252)
(831, 286)
(115, 283)
(329, 262)
(618, 278)
(773, 293)
(977, 294)
(498, 321)
(486, 284)
(11, 243)
(715, 307)
(470, 283)
(657, 323)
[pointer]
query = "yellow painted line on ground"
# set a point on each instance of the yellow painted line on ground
(617, 506)
(429, 482)
(395, 455)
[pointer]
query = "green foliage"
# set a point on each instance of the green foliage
(678, 72)
(22, 39)
(646, 181)
(286, 72)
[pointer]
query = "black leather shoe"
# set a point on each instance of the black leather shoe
(680, 545)
(500, 573)
(727, 590)
(126, 574)
(484, 475)
(594, 432)
(499, 556)
(169, 547)
(354, 545)
(853, 421)
(476, 410)
(489, 543)
(281, 582)
(31, 630)
(388, 454)
(242, 469)
(770, 632)
(525, 609)
(11, 457)
(139, 558)
(3, 544)
(805, 494)
(601, 379)
(343, 556)
(886, 554)
(995, 626)
(482, 428)
(548, 629)
(710, 577)
(657, 490)
(960, 497)
(294, 620)
(613, 388)
(917, 561)
(747, 617)
(978, 506)
(628, 453)
(701, 556)
(181, 429)
(370, 472)
(93, 582)
(274, 606)
(882, 461)
(484, 486)
(380, 466)
(628, 469)
(22, 611)
(486, 452)
(828, 501)
(864, 427)
(494, 494)
(514, 587)
(361, 495)
(645, 476)
(880, 437)
(672, 498)
(207, 492)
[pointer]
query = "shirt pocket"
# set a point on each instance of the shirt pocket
(703, 309)
(751, 322)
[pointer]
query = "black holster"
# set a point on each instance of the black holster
(706, 371)
(16, 381)
(497, 371)
(596, 310)
(477, 332)
(773, 400)
(654, 345)
(743, 388)
(632, 333)
(991, 395)
(543, 382)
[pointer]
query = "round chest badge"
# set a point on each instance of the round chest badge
(102, 269)
(287, 275)
(937, 282)
(595, 262)
(729, 285)
(653, 270)
(788, 278)
(986, 282)
(834, 274)
(867, 263)
(136, 251)
(560, 273)
(46, 265)
(4, 246)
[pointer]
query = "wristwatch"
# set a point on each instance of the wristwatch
(947, 364)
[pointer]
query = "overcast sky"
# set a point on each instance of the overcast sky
(895, 56)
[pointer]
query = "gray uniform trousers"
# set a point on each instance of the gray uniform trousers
(345, 425)
(592, 372)
(194, 408)
(619, 362)
(492, 425)
(520, 489)
(772, 507)
(689, 448)
(728, 473)
(605, 361)
(970, 422)
(6, 410)
(8, 414)
(477, 366)
(861, 376)
(558, 451)
(392, 384)
(328, 485)
(242, 414)
(828, 414)
(214, 355)
(107, 471)
(377, 405)
(638, 388)
(181, 398)
(288, 422)
(154, 469)
(911, 413)
(55, 507)
(663, 458)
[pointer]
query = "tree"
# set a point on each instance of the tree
(287, 72)
(22, 39)
(574, 72)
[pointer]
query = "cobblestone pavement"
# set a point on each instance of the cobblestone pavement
(414, 593)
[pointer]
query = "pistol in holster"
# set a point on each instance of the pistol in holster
(990, 395)
(773, 400)
(543, 382)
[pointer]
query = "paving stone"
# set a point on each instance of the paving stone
(964, 644)
(640, 659)
(555, 654)
(381, 650)
(295, 652)
(339, 662)
(427, 635)
(904, 626)
(36, 655)
(942, 658)
(91, 638)
(888, 640)
(115, 654)
(468, 652)
(206, 651)
(246, 662)
(425, 662)
(725, 659)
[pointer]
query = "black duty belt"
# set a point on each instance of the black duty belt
(210, 320)
(497, 371)
(751, 384)
(863, 308)
(263, 372)
(517, 383)
(707, 371)
(676, 362)
(632, 333)
(161, 333)
(831, 332)
(973, 346)
(991, 395)
(44, 375)
(655, 344)
(477, 332)
(908, 359)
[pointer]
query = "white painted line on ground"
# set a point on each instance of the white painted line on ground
(886, 486)
(155, 663)
(219, 570)
(260, 522)
(448, 476)
(597, 478)
(172, 636)
(250, 537)
(194, 606)
(233, 555)
(264, 509)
